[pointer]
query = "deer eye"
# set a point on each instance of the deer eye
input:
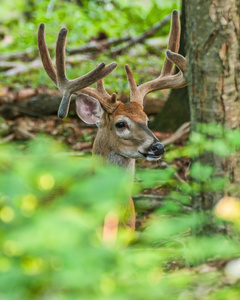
(121, 125)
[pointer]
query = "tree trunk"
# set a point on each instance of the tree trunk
(176, 110)
(213, 40)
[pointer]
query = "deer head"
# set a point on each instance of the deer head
(123, 127)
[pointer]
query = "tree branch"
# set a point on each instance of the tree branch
(140, 38)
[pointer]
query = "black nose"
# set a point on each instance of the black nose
(157, 148)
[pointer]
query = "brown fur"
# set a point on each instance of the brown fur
(109, 145)
(133, 110)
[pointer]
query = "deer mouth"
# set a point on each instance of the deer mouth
(154, 151)
(150, 156)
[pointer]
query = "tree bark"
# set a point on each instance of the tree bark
(176, 110)
(213, 36)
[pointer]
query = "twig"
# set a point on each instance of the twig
(93, 46)
(182, 130)
(180, 179)
(140, 38)
(16, 68)
(8, 138)
(19, 68)
(22, 55)
(24, 133)
(99, 46)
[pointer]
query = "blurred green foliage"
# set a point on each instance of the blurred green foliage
(53, 205)
(52, 209)
(116, 18)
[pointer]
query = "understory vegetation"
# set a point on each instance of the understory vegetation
(52, 211)
(53, 201)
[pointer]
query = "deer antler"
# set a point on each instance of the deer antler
(109, 102)
(166, 79)
(58, 76)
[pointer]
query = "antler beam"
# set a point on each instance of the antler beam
(58, 75)
(166, 79)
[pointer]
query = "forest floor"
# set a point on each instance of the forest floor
(78, 138)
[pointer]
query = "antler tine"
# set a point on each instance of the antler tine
(134, 92)
(178, 60)
(60, 58)
(166, 79)
(93, 76)
(46, 59)
(58, 76)
(75, 85)
(173, 43)
(102, 91)
(71, 86)
(109, 102)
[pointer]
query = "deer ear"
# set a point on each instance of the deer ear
(88, 109)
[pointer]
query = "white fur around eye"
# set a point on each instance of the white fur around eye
(123, 135)
(122, 132)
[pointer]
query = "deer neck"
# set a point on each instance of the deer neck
(102, 146)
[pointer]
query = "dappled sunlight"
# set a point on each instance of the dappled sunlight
(228, 208)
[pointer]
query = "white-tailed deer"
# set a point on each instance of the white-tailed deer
(123, 134)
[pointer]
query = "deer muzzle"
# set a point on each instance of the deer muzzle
(156, 149)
